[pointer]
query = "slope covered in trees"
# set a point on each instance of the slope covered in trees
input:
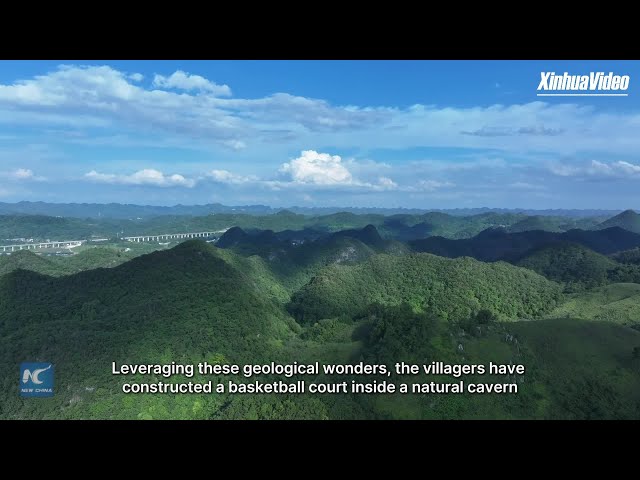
(497, 244)
(27, 260)
(574, 369)
(577, 267)
(295, 256)
(617, 303)
(186, 304)
(628, 256)
(450, 289)
(629, 220)
(198, 302)
(552, 224)
(88, 259)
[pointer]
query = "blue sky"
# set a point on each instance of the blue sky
(427, 134)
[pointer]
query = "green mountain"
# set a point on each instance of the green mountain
(41, 227)
(187, 304)
(618, 303)
(197, 302)
(629, 220)
(497, 244)
(27, 260)
(550, 223)
(573, 369)
(295, 257)
(89, 259)
(628, 256)
(577, 266)
(451, 289)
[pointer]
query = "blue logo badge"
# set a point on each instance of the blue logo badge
(36, 379)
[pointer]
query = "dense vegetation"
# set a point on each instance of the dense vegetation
(629, 220)
(54, 265)
(577, 267)
(628, 256)
(332, 288)
(451, 289)
(618, 303)
(497, 244)
(553, 223)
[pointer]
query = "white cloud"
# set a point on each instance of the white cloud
(105, 98)
(310, 171)
(225, 176)
(627, 167)
(23, 174)
(136, 77)
(563, 170)
(142, 177)
(386, 182)
(184, 81)
(599, 168)
(317, 169)
(595, 168)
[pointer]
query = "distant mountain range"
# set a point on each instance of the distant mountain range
(128, 211)
(498, 244)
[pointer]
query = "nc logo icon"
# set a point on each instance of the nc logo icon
(36, 379)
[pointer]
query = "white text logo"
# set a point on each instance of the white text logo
(596, 84)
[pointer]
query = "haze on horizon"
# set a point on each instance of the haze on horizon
(428, 135)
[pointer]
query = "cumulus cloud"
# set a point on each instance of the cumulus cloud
(136, 77)
(184, 81)
(142, 177)
(312, 170)
(317, 169)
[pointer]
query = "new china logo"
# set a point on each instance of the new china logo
(36, 379)
(596, 84)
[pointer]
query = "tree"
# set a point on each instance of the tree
(484, 317)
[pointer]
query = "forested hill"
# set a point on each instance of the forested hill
(172, 293)
(295, 257)
(92, 258)
(497, 244)
(577, 267)
(629, 220)
(450, 289)
(197, 302)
